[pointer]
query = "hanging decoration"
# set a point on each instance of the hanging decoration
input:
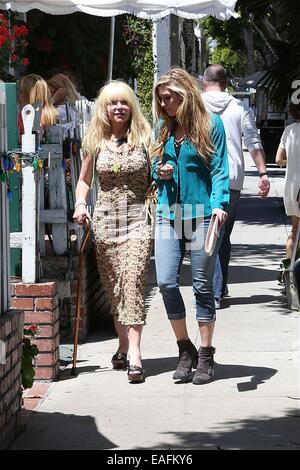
(12, 161)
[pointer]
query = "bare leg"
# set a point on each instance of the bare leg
(122, 331)
(180, 330)
(134, 351)
(291, 237)
(206, 333)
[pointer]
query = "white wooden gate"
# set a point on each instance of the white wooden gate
(35, 214)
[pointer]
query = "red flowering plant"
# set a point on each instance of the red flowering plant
(28, 356)
(13, 43)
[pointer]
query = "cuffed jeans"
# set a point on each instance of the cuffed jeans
(171, 241)
(221, 266)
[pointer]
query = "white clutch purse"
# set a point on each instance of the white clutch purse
(212, 235)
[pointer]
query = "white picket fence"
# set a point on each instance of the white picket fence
(4, 217)
(35, 215)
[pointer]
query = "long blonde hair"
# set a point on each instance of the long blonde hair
(191, 114)
(61, 81)
(33, 88)
(99, 129)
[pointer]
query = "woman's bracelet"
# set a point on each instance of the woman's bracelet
(80, 201)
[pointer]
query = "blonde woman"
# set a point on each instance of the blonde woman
(191, 172)
(31, 89)
(115, 144)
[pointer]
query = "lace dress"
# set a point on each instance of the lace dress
(122, 235)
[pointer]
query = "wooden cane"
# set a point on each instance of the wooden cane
(78, 304)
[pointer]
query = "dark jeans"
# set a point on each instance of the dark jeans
(221, 268)
(171, 242)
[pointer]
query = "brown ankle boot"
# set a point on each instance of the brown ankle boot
(187, 359)
(205, 368)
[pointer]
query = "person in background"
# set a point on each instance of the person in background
(191, 171)
(115, 145)
(76, 80)
(288, 155)
(239, 123)
(63, 92)
(32, 89)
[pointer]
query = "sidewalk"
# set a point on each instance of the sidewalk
(252, 404)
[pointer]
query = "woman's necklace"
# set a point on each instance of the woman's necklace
(178, 130)
(118, 141)
(179, 142)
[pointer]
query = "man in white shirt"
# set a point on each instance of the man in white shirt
(239, 122)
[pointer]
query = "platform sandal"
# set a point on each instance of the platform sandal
(119, 361)
(135, 374)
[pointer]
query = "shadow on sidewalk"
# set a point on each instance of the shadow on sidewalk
(54, 431)
(81, 370)
(244, 274)
(253, 299)
(258, 375)
(276, 433)
(159, 365)
(256, 211)
(278, 302)
(269, 252)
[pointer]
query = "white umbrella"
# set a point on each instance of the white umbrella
(191, 9)
(155, 9)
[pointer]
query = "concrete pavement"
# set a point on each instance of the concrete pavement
(254, 401)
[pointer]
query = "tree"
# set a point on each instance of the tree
(231, 60)
(228, 35)
(138, 37)
(271, 41)
(277, 23)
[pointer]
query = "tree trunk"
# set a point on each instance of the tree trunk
(248, 40)
(189, 42)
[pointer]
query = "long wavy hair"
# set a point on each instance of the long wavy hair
(33, 88)
(60, 80)
(99, 129)
(191, 114)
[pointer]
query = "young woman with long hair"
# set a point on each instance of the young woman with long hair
(191, 171)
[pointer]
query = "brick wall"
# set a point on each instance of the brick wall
(11, 334)
(40, 305)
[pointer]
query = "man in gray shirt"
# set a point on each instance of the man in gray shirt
(239, 123)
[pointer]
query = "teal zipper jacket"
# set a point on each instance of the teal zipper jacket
(194, 190)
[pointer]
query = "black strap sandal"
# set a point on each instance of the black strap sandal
(135, 374)
(119, 360)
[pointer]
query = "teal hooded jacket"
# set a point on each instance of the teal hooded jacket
(194, 190)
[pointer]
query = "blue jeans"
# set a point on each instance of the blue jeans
(222, 263)
(171, 241)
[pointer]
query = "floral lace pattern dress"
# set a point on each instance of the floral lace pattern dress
(122, 234)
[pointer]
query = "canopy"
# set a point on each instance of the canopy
(155, 9)
(251, 80)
